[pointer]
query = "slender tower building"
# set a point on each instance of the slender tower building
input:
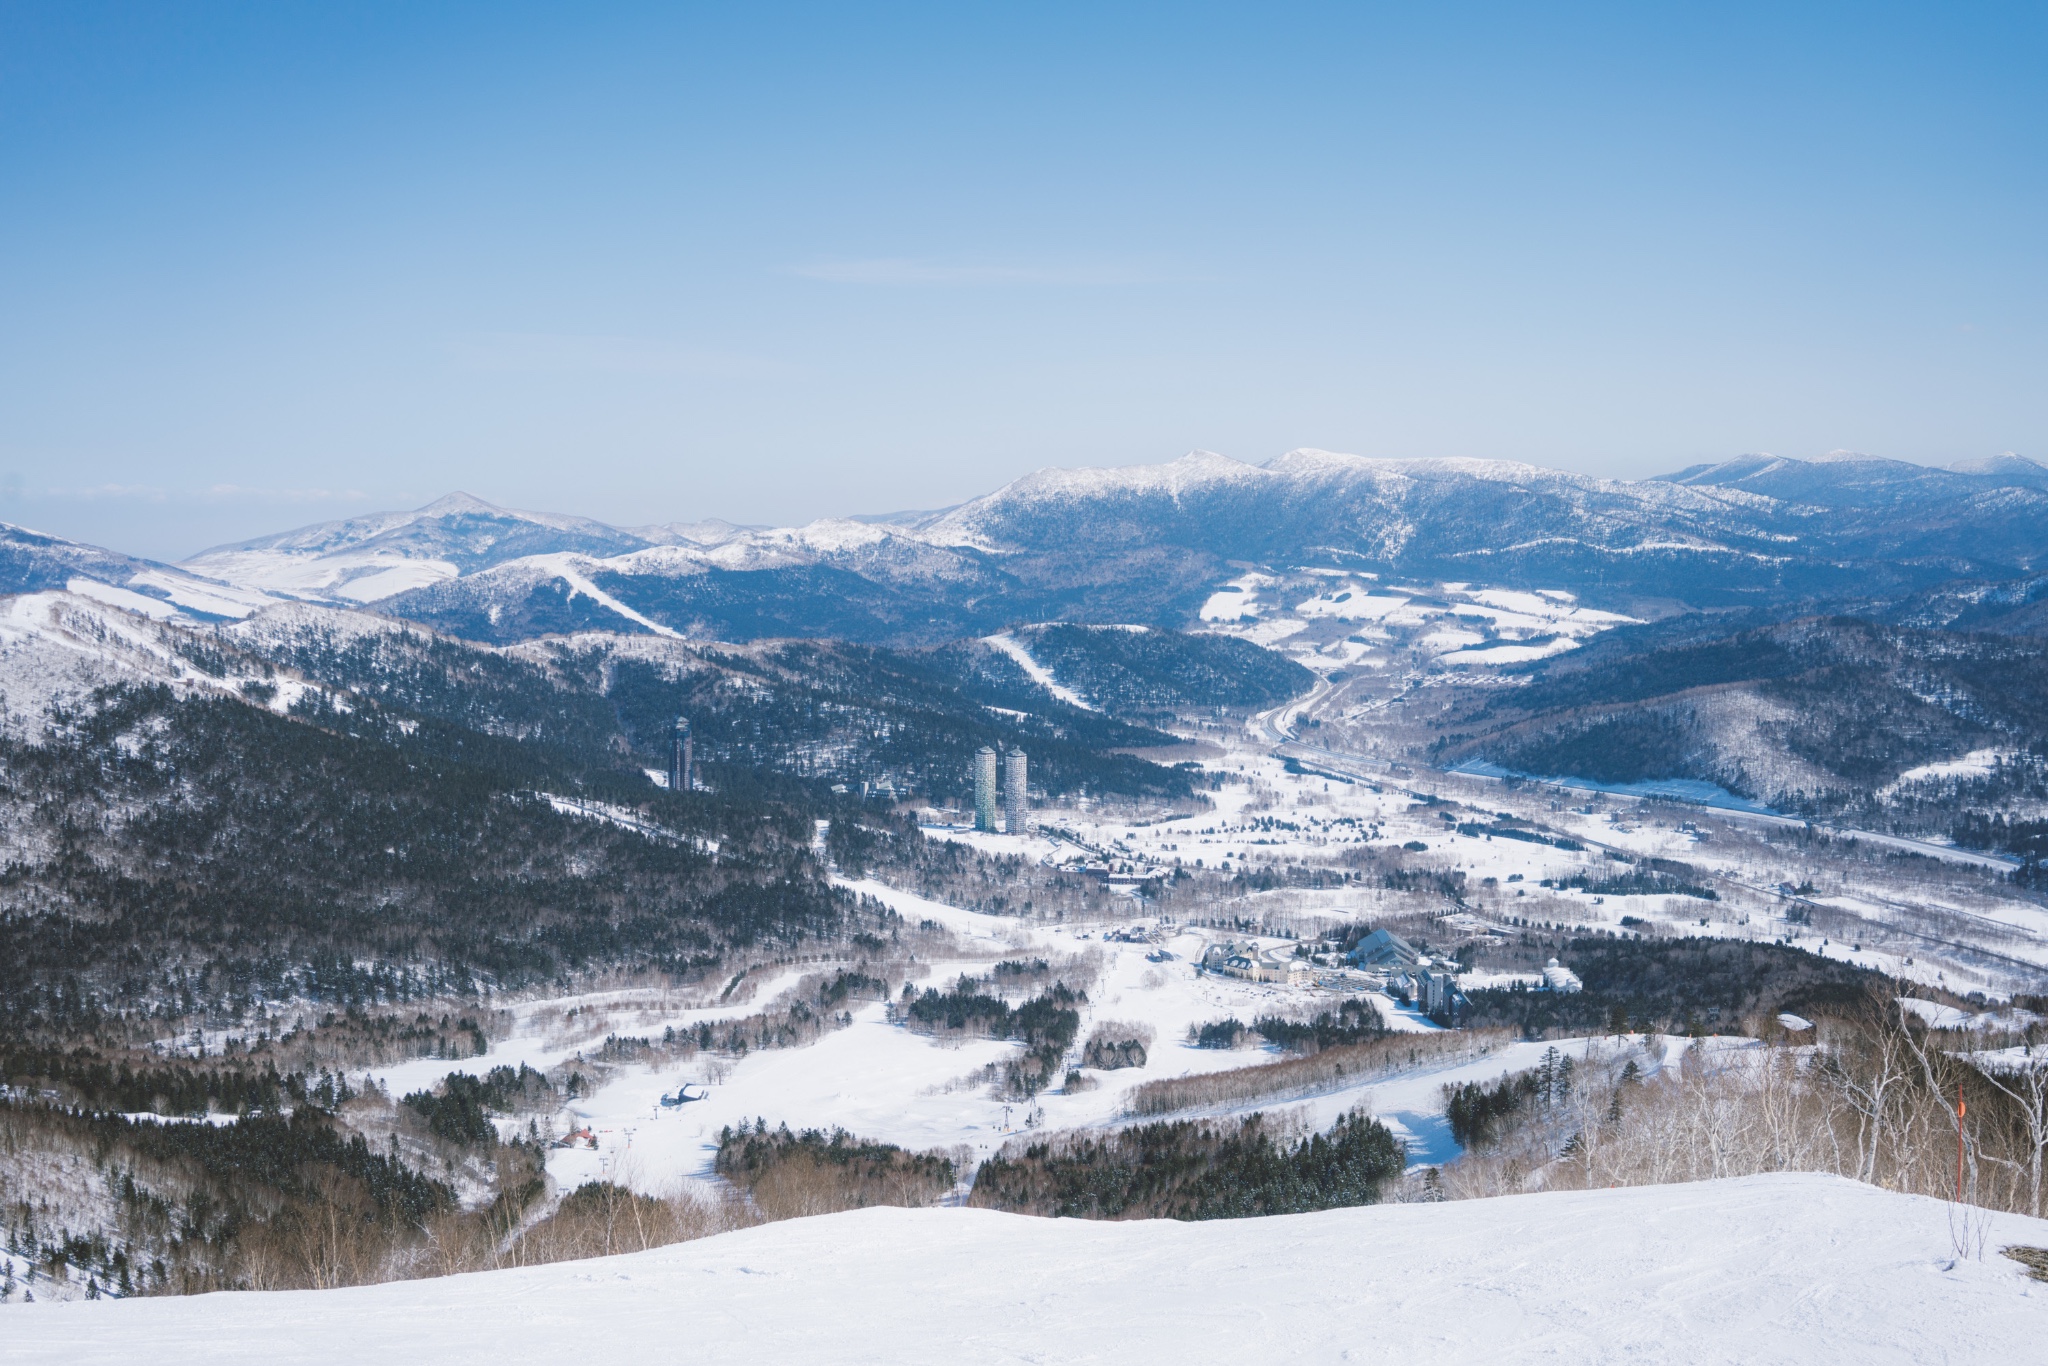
(1016, 807)
(985, 789)
(681, 770)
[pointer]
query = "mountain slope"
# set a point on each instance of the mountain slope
(1775, 1269)
(33, 562)
(1849, 479)
(60, 651)
(1826, 715)
(363, 559)
(174, 852)
(1136, 670)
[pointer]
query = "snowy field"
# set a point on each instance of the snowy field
(1329, 619)
(1773, 1269)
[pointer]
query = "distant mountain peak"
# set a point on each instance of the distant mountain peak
(363, 559)
(1195, 468)
(1722, 473)
(1311, 460)
(1845, 477)
(710, 531)
(2008, 467)
(450, 504)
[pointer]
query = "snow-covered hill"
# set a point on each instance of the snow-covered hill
(34, 562)
(1790, 1268)
(1843, 479)
(363, 559)
(58, 649)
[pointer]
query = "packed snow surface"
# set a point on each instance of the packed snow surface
(1784, 1268)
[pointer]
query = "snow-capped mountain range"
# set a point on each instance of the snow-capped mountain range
(1144, 543)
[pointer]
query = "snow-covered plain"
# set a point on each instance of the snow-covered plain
(1790, 1268)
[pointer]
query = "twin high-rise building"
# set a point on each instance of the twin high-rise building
(985, 789)
(1016, 807)
(682, 775)
(1015, 791)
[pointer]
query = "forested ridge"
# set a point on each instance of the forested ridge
(852, 714)
(814, 710)
(1819, 715)
(187, 854)
(1151, 672)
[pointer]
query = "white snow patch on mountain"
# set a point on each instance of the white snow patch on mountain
(154, 608)
(1238, 598)
(1512, 654)
(347, 575)
(1350, 604)
(201, 596)
(1771, 1269)
(1976, 764)
(392, 579)
(1933, 1014)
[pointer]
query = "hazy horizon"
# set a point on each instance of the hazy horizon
(270, 266)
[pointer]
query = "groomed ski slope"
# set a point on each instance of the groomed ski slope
(1790, 1268)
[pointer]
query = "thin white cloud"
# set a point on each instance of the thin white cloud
(89, 493)
(152, 493)
(903, 270)
(241, 492)
(561, 352)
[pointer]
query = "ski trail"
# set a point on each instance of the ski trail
(563, 568)
(1042, 676)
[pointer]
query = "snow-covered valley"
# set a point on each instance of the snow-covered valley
(880, 1079)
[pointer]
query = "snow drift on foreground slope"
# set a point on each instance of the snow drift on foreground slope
(1806, 1269)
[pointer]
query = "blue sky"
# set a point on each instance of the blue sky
(264, 264)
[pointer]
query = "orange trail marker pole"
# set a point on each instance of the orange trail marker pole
(1961, 1110)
